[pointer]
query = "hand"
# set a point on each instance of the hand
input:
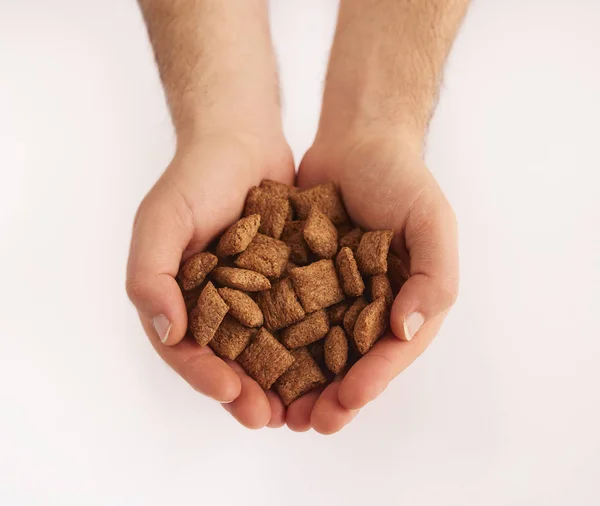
(385, 185)
(200, 194)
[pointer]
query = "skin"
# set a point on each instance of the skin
(381, 88)
(217, 65)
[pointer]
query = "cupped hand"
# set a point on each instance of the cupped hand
(386, 185)
(200, 194)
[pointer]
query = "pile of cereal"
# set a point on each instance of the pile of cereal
(296, 292)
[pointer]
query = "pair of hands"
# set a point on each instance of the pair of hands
(384, 183)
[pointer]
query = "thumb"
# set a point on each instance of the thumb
(432, 242)
(161, 232)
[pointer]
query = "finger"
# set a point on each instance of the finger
(298, 412)
(307, 178)
(389, 357)
(199, 366)
(328, 415)
(277, 410)
(161, 233)
(430, 236)
(251, 408)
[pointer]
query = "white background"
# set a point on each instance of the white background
(504, 408)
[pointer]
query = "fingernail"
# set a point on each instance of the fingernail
(162, 325)
(412, 323)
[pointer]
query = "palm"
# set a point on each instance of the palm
(385, 185)
(200, 194)
(379, 182)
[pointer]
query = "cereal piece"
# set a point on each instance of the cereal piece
(206, 317)
(303, 376)
(336, 350)
(397, 272)
(352, 314)
(237, 238)
(337, 311)
(370, 325)
(289, 266)
(242, 307)
(273, 211)
(231, 338)
(280, 306)
(265, 359)
(309, 330)
(195, 269)
(352, 281)
(325, 197)
(276, 188)
(317, 285)
(190, 297)
(266, 256)
(351, 239)
(279, 190)
(380, 287)
(317, 350)
(371, 255)
(293, 236)
(241, 279)
(320, 234)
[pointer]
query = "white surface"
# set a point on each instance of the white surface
(504, 408)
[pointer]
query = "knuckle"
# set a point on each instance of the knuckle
(135, 289)
(141, 210)
(448, 293)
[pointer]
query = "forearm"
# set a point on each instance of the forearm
(386, 63)
(216, 63)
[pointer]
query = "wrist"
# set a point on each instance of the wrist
(341, 137)
(228, 112)
(357, 109)
(267, 154)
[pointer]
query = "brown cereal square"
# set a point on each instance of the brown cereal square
(293, 236)
(242, 307)
(280, 306)
(276, 188)
(309, 330)
(320, 234)
(231, 338)
(372, 252)
(337, 311)
(317, 285)
(190, 297)
(397, 272)
(241, 279)
(237, 237)
(196, 268)
(352, 314)
(379, 286)
(352, 281)
(265, 359)
(325, 197)
(317, 350)
(288, 268)
(370, 325)
(266, 256)
(208, 314)
(304, 375)
(273, 210)
(351, 239)
(336, 350)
